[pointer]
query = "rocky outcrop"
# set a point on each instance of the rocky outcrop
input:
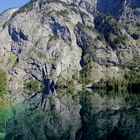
(6, 15)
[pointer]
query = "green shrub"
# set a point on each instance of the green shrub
(134, 64)
(100, 37)
(134, 30)
(80, 26)
(133, 79)
(91, 28)
(3, 83)
(62, 13)
(116, 84)
(32, 85)
(74, 9)
(118, 40)
(68, 84)
(130, 82)
(86, 75)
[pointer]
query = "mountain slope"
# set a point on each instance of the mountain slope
(61, 35)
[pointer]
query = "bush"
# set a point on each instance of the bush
(118, 40)
(32, 85)
(3, 83)
(62, 13)
(80, 26)
(115, 84)
(86, 72)
(130, 82)
(134, 65)
(133, 79)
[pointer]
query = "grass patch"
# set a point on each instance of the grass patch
(134, 30)
(138, 41)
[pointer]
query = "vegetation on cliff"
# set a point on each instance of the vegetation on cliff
(3, 84)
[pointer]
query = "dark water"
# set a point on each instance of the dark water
(69, 115)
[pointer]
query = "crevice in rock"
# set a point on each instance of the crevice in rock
(17, 35)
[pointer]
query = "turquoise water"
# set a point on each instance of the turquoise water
(58, 115)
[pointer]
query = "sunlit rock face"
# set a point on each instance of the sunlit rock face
(55, 39)
(5, 16)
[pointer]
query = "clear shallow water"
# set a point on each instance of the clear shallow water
(6, 112)
(72, 115)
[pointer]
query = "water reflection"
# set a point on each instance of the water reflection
(68, 115)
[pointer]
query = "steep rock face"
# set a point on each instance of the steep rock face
(55, 39)
(118, 8)
(5, 16)
(112, 7)
(126, 11)
(117, 38)
(40, 40)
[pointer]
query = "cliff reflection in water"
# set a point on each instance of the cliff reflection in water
(69, 115)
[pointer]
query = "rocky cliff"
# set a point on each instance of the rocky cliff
(56, 38)
(51, 43)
